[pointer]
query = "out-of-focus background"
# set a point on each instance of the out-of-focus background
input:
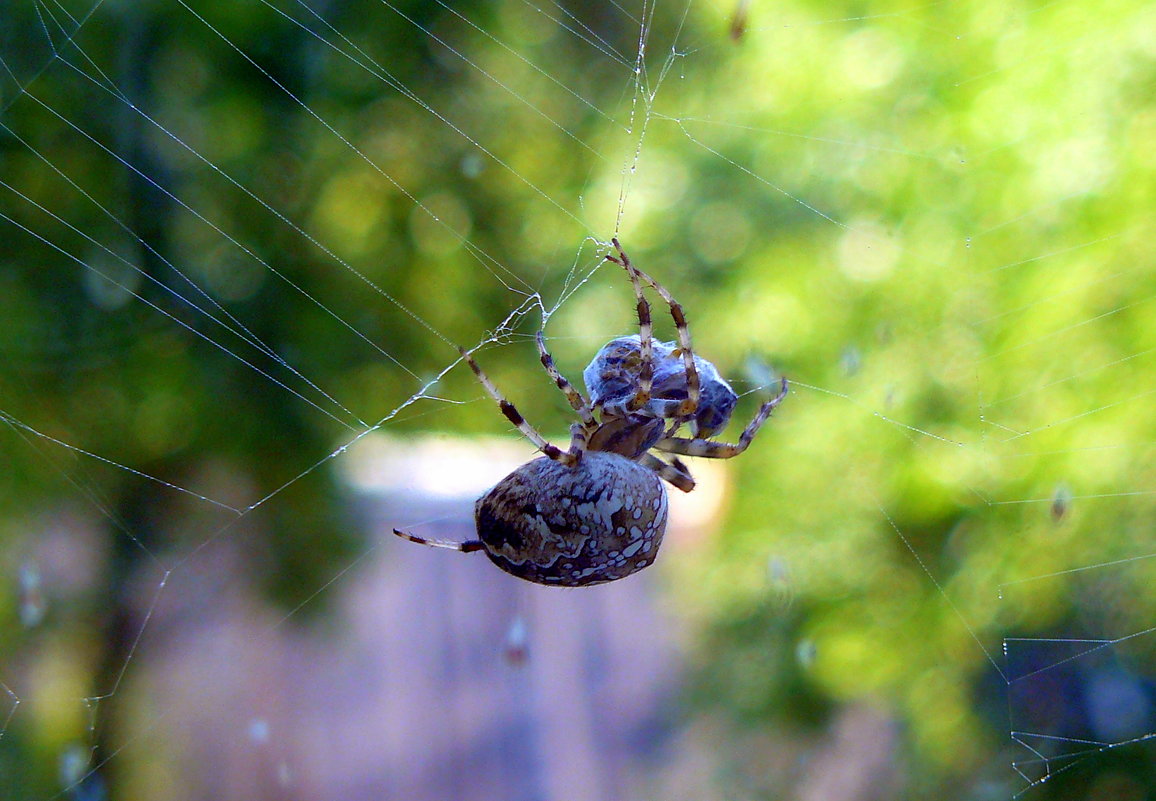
(240, 242)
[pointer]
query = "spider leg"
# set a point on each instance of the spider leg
(675, 473)
(690, 405)
(577, 402)
(579, 434)
(723, 450)
(464, 547)
(645, 332)
(515, 417)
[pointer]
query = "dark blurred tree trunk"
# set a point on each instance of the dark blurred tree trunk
(133, 529)
(137, 512)
(138, 517)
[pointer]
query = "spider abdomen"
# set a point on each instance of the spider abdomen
(573, 525)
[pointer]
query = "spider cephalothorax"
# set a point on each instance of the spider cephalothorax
(597, 511)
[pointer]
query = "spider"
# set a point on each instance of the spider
(597, 511)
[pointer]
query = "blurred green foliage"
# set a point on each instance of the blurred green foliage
(934, 219)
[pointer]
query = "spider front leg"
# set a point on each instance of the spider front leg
(690, 405)
(645, 333)
(723, 450)
(577, 402)
(675, 473)
(577, 445)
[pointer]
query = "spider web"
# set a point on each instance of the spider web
(961, 478)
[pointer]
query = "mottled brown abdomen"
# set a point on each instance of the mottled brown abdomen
(572, 526)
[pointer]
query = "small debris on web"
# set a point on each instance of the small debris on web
(851, 360)
(1061, 502)
(739, 20)
(805, 653)
(516, 648)
(780, 582)
(32, 603)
